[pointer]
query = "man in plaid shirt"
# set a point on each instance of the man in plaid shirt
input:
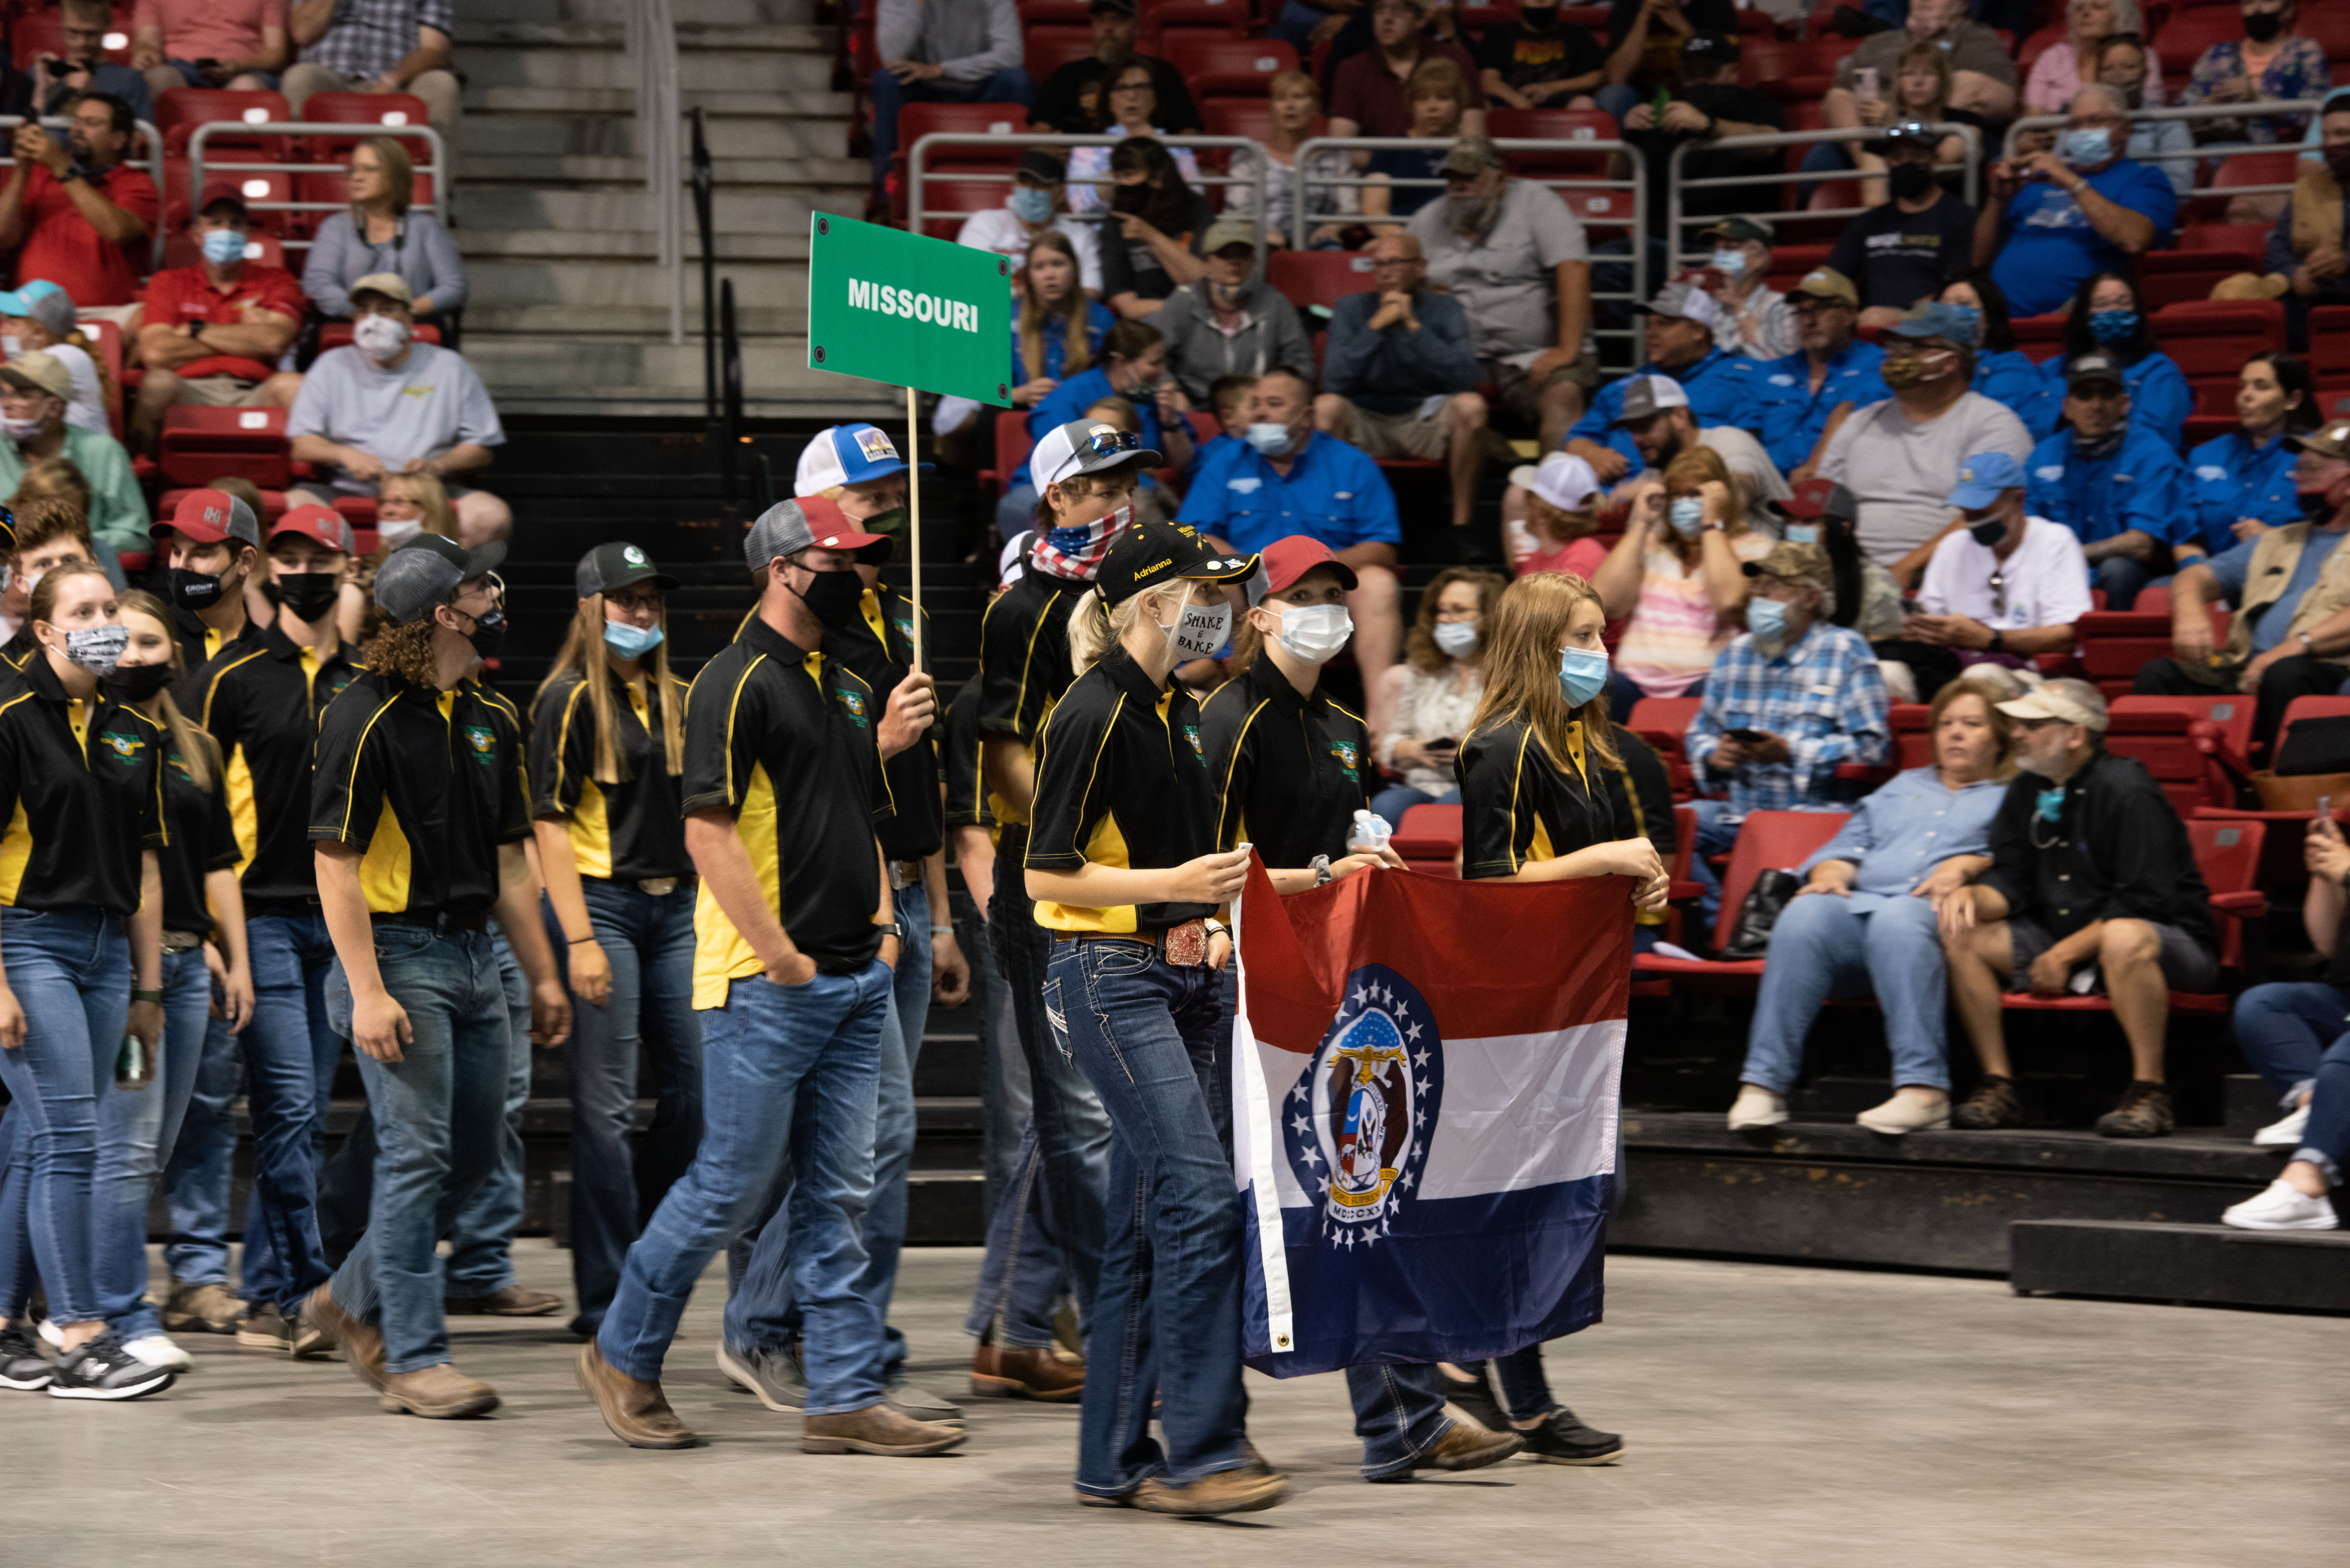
(1786, 705)
(376, 45)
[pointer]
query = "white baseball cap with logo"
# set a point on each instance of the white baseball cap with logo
(848, 454)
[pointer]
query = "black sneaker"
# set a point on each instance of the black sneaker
(102, 1370)
(1562, 1439)
(1474, 1399)
(22, 1365)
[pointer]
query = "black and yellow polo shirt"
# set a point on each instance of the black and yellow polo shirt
(969, 802)
(200, 644)
(1291, 770)
(426, 784)
(18, 650)
(784, 738)
(81, 790)
(203, 838)
(1517, 808)
(634, 829)
(1024, 658)
(261, 699)
(879, 647)
(1121, 780)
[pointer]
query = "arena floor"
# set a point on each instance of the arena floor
(1806, 1417)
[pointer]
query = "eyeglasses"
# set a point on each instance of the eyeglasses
(1998, 591)
(1132, 86)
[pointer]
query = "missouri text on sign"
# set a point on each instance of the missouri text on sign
(908, 309)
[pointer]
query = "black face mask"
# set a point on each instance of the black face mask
(195, 590)
(489, 634)
(1988, 532)
(135, 683)
(1910, 180)
(2260, 27)
(833, 597)
(306, 596)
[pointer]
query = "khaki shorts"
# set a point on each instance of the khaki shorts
(223, 392)
(1518, 392)
(1395, 435)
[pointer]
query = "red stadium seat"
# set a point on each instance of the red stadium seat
(1477, 18)
(1769, 840)
(2329, 340)
(1428, 838)
(1012, 446)
(2334, 398)
(2241, 245)
(1604, 208)
(1913, 735)
(368, 114)
(1796, 73)
(1047, 49)
(179, 111)
(255, 187)
(2231, 716)
(1307, 278)
(1218, 67)
(2159, 740)
(1553, 124)
(2040, 337)
(2037, 45)
(44, 33)
(2245, 169)
(183, 249)
(1664, 721)
(2180, 42)
(2330, 25)
(1221, 16)
(1071, 13)
(2215, 336)
(2215, 396)
(200, 444)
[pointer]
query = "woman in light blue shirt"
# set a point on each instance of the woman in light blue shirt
(2004, 373)
(379, 233)
(1865, 920)
(2239, 484)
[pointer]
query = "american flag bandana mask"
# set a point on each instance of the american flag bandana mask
(1075, 554)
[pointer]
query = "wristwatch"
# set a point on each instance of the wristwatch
(2308, 643)
(155, 996)
(1216, 928)
(1998, 639)
(1320, 867)
(891, 929)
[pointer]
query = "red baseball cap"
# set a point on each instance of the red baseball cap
(209, 516)
(1286, 560)
(322, 523)
(222, 190)
(811, 522)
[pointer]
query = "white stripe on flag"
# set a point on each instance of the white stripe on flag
(1263, 1159)
(1526, 1110)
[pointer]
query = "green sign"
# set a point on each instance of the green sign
(905, 308)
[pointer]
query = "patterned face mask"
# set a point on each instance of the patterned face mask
(1075, 552)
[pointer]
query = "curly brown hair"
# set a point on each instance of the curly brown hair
(405, 652)
(1420, 643)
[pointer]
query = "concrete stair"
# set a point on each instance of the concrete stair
(570, 311)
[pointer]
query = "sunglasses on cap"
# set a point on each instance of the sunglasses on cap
(1104, 444)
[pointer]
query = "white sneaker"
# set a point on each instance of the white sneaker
(2282, 1208)
(2285, 1134)
(157, 1350)
(51, 1334)
(1757, 1107)
(1907, 1113)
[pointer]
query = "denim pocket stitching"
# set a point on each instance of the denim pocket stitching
(1102, 1023)
(1123, 957)
(1057, 1019)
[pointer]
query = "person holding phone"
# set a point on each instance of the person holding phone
(1436, 690)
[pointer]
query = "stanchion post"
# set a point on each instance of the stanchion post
(914, 517)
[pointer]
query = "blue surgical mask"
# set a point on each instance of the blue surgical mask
(630, 641)
(2087, 147)
(1767, 620)
(1687, 514)
(224, 247)
(1727, 262)
(1269, 439)
(1802, 534)
(1582, 674)
(1031, 205)
(2113, 326)
(2051, 802)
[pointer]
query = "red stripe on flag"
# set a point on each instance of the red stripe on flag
(1491, 958)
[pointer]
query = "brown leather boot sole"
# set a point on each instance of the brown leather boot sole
(439, 1393)
(877, 1430)
(323, 1316)
(1243, 1491)
(1468, 1448)
(655, 1426)
(1037, 1374)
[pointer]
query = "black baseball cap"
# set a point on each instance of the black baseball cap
(425, 571)
(1709, 49)
(2095, 368)
(608, 567)
(1145, 555)
(1039, 164)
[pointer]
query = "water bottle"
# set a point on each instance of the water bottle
(1370, 834)
(133, 1068)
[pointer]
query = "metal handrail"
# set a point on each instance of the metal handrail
(2257, 108)
(154, 165)
(917, 176)
(439, 168)
(1677, 182)
(652, 35)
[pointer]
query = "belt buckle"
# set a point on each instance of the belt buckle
(657, 886)
(1186, 946)
(182, 942)
(904, 874)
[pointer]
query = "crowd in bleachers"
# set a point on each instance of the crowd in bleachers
(1946, 415)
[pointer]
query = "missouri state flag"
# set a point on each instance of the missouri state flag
(1425, 1080)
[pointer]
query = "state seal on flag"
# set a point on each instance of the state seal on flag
(1358, 1121)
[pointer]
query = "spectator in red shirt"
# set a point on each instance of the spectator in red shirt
(77, 214)
(1366, 95)
(213, 332)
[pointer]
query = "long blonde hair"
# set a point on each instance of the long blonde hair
(197, 749)
(1523, 633)
(1094, 626)
(1036, 315)
(583, 651)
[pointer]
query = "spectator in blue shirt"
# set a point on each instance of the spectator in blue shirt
(1680, 342)
(1797, 399)
(2118, 486)
(2241, 482)
(2004, 373)
(1134, 366)
(1787, 702)
(2106, 318)
(1286, 477)
(2050, 219)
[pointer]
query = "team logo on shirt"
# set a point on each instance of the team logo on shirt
(1191, 733)
(1346, 754)
(126, 748)
(1356, 1125)
(484, 742)
(855, 702)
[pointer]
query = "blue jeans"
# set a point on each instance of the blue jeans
(2326, 1143)
(1003, 1091)
(135, 1130)
(197, 1169)
(790, 1072)
(1147, 1035)
(891, 95)
(1072, 1126)
(481, 1239)
(2284, 1028)
(1021, 1278)
(649, 942)
(70, 969)
(1822, 947)
(440, 1120)
(761, 1310)
(1398, 1412)
(1717, 831)
(1391, 803)
(291, 1051)
(2124, 578)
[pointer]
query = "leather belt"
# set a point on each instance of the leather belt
(659, 887)
(182, 942)
(904, 874)
(440, 924)
(1184, 947)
